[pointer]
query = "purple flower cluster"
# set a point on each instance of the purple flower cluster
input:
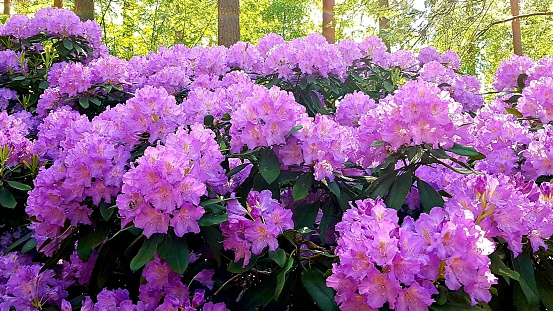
(252, 228)
(504, 206)
(13, 140)
(418, 112)
(537, 100)
(500, 137)
(165, 185)
(382, 262)
(24, 287)
(54, 22)
(164, 290)
(5, 96)
(265, 118)
(539, 154)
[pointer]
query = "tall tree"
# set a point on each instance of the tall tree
(58, 4)
(515, 25)
(329, 25)
(228, 26)
(384, 22)
(7, 6)
(84, 9)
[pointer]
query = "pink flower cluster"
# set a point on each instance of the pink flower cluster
(164, 290)
(54, 22)
(538, 154)
(537, 100)
(165, 185)
(265, 118)
(13, 140)
(418, 112)
(252, 228)
(504, 206)
(382, 262)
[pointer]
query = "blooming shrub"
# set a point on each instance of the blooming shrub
(293, 175)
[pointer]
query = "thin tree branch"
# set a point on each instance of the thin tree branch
(510, 19)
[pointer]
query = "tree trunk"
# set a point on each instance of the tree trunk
(384, 23)
(329, 24)
(515, 24)
(228, 22)
(7, 5)
(84, 9)
(58, 4)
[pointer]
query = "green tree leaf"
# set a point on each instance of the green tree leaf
(498, 267)
(430, 198)
(146, 252)
(19, 186)
(527, 281)
(269, 166)
(210, 220)
(399, 190)
(315, 283)
(302, 186)
(175, 251)
(7, 199)
(279, 256)
(466, 151)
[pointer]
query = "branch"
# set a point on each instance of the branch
(510, 19)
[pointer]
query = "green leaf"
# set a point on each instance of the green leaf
(514, 112)
(281, 277)
(315, 283)
(175, 251)
(19, 241)
(210, 220)
(29, 246)
(380, 186)
(305, 215)
(238, 267)
(269, 166)
(107, 211)
(293, 130)
(521, 79)
(237, 169)
(214, 239)
(377, 143)
(466, 151)
(44, 85)
(279, 256)
(527, 281)
(208, 120)
(7, 199)
(333, 187)
(146, 252)
(389, 87)
(19, 186)
(83, 101)
(430, 198)
(499, 267)
(68, 44)
(95, 101)
(89, 239)
(545, 289)
(302, 186)
(399, 190)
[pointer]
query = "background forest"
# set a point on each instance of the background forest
(476, 29)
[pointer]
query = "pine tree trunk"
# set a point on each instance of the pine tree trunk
(515, 24)
(329, 25)
(84, 9)
(58, 4)
(228, 22)
(7, 5)
(384, 23)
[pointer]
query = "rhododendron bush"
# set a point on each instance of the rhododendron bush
(293, 175)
